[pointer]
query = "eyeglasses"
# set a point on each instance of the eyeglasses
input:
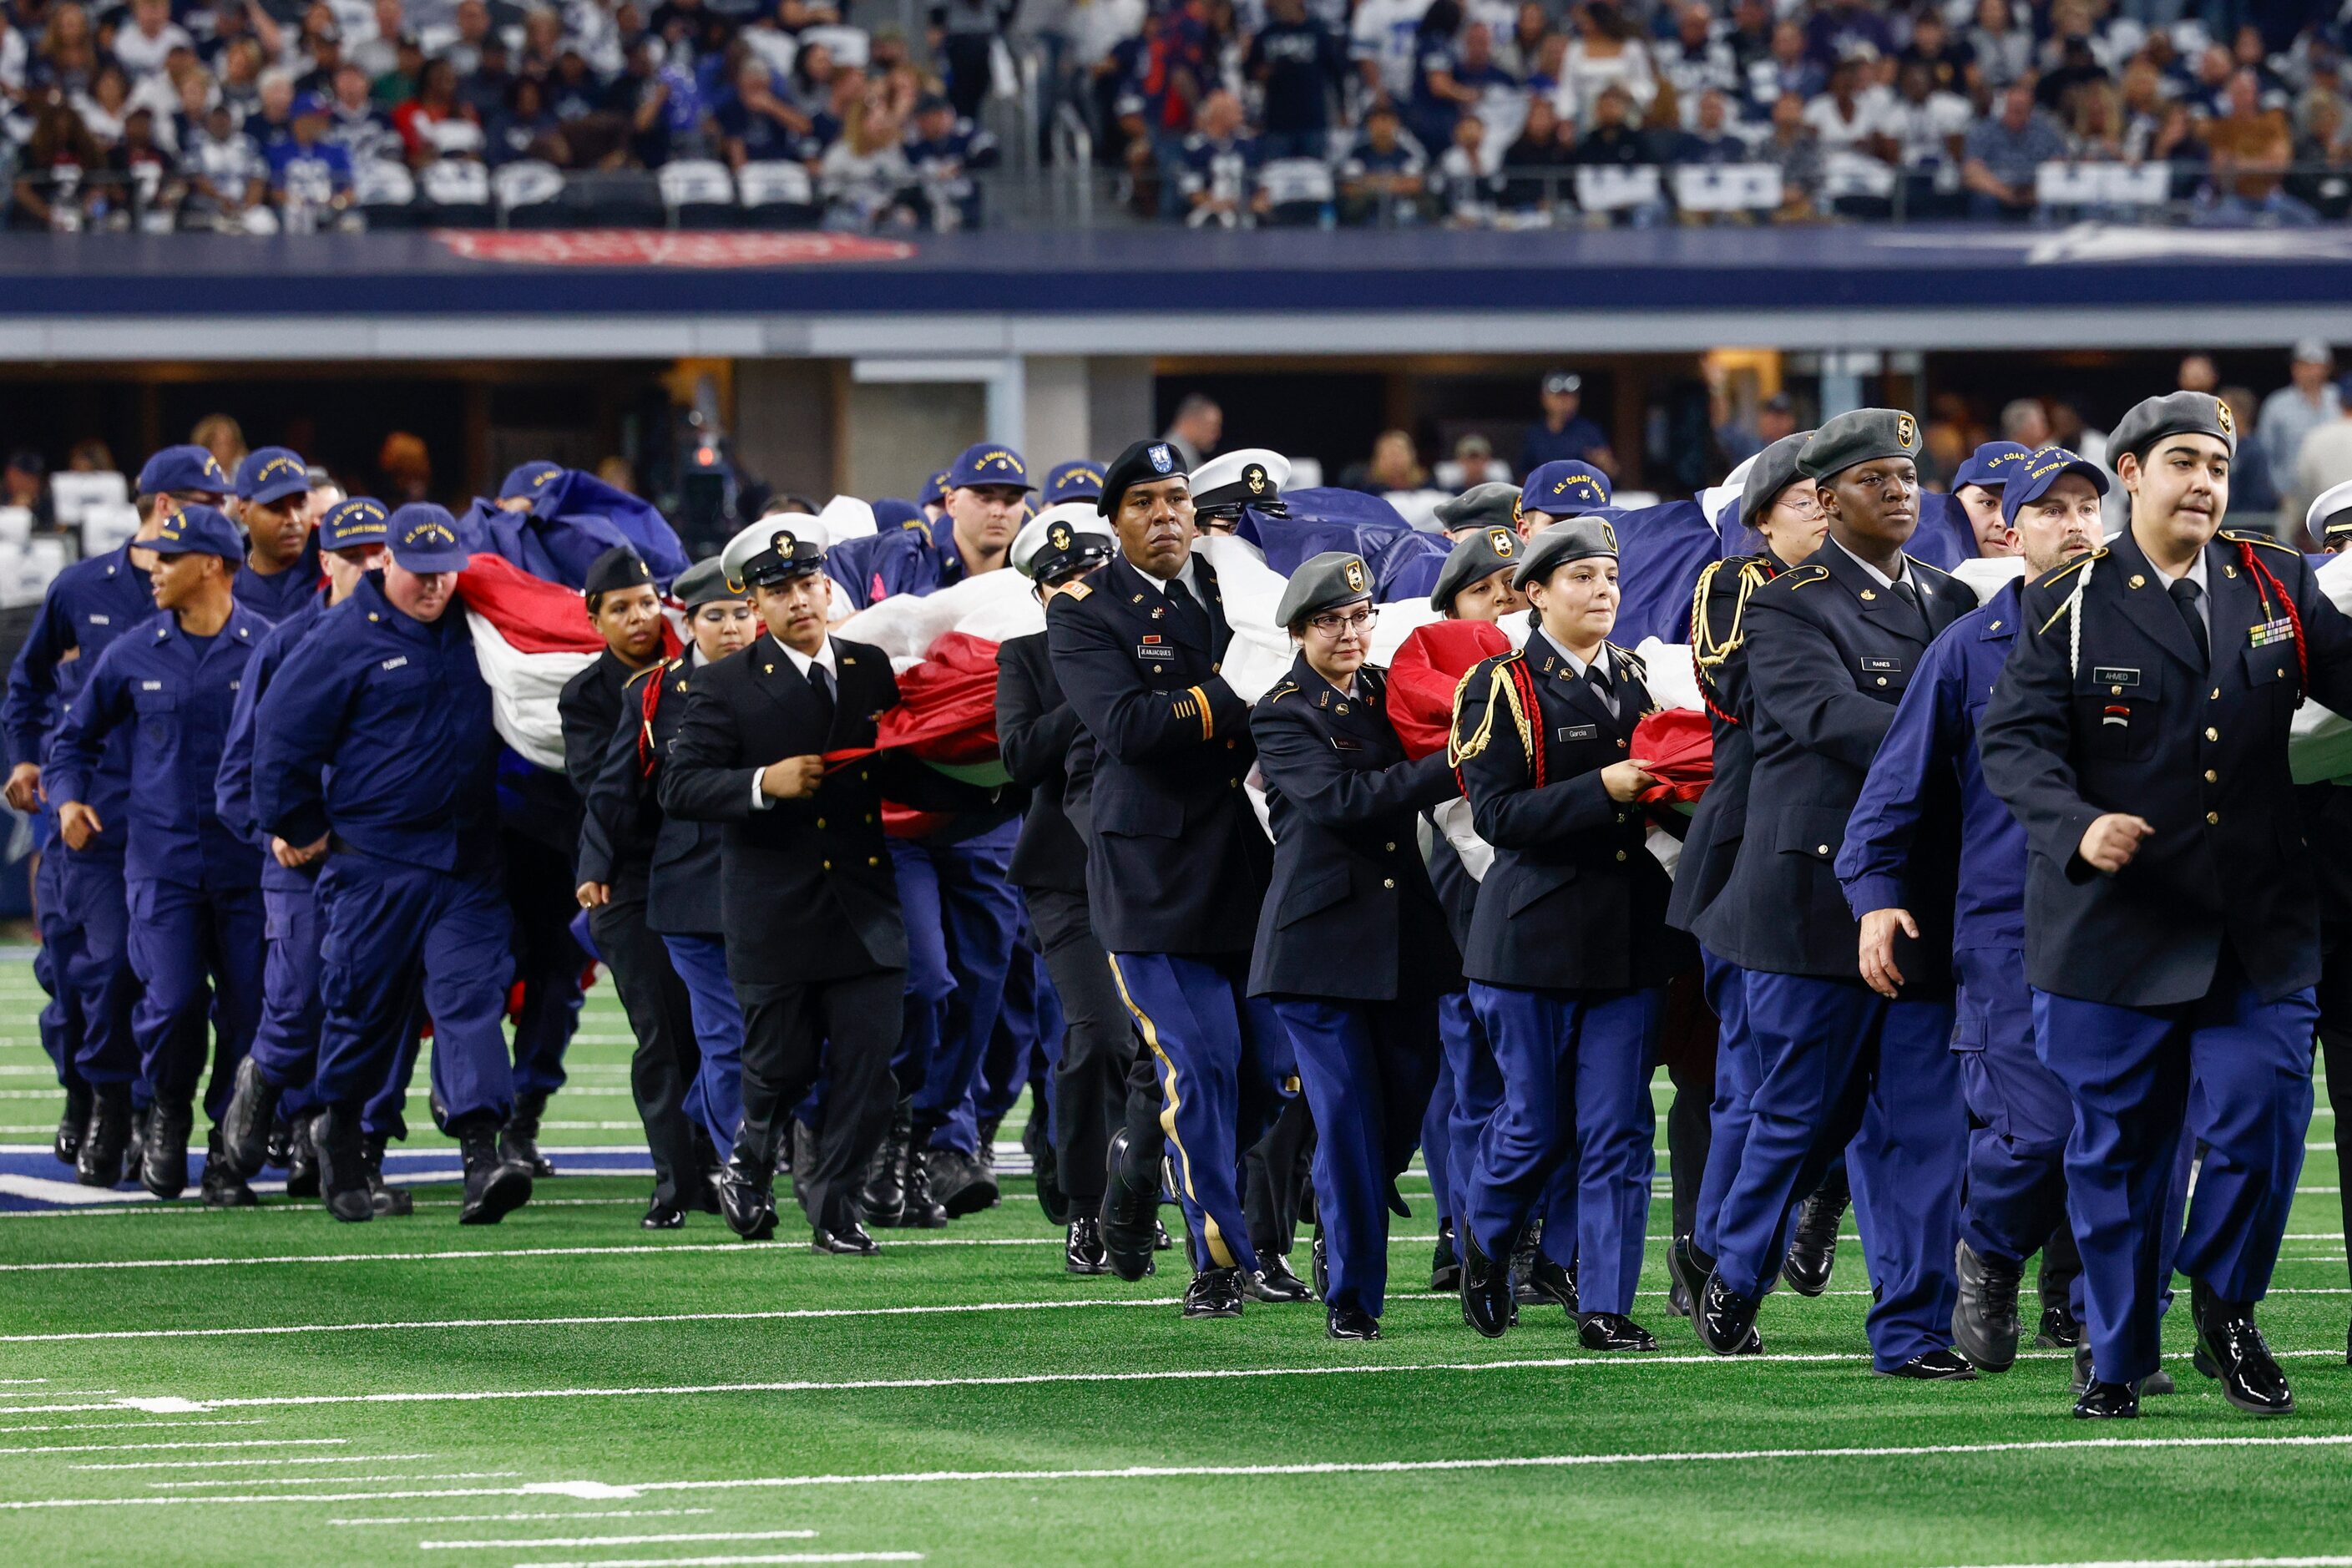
(1334, 624)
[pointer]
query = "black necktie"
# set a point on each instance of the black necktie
(820, 681)
(1909, 595)
(2184, 595)
(1183, 606)
(1598, 676)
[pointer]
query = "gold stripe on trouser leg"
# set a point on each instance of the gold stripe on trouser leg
(1170, 1098)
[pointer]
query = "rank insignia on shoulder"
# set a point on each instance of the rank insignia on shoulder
(1077, 591)
(1806, 576)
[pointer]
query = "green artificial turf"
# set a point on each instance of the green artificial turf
(952, 1434)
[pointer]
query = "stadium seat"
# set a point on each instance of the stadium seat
(611, 198)
(456, 193)
(777, 194)
(1606, 188)
(1300, 190)
(1729, 188)
(2068, 187)
(1857, 185)
(527, 192)
(72, 495)
(386, 193)
(700, 194)
(104, 527)
(16, 524)
(848, 45)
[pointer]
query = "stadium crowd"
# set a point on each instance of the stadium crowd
(249, 116)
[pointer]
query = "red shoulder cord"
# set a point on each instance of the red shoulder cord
(2269, 584)
(647, 706)
(1523, 680)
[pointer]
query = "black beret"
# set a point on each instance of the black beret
(1858, 436)
(1141, 464)
(1774, 470)
(1323, 583)
(1478, 555)
(1562, 543)
(2151, 420)
(619, 567)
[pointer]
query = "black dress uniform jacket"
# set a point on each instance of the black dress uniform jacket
(2141, 724)
(1351, 912)
(1711, 843)
(682, 861)
(614, 848)
(1830, 653)
(1574, 899)
(806, 885)
(1177, 861)
(1035, 727)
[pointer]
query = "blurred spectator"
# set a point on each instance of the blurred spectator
(1775, 416)
(1300, 68)
(2323, 461)
(223, 437)
(1198, 425)
(1951, 64)
(2251, 146)
(1607, 51)
(1845, 30)
(2024, 421)
(310, 177)
(2307, 402)
(2002, 51)
(1216, 167)
(1925, 129)
(1473, 463)
(1564, 432)
(1796, 152)
(2005, 151)
(1472, 194)
(1385, 170)
(404, 468)
(1393, 466)
(26, 483)
(963, 34)
(616, 472)
(2197, 373)
(2252, 488)
(864, 178)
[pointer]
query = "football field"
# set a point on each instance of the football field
(179, 1386)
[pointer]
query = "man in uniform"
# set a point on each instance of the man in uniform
(1977, 485)
(191, 887)
(1831, 647)
(90, 603)
(1558, 490)
(1177, 865)
(374, 749)
(1079, 480)
(280, 571)
(616, 845)
(1249, 479)
(2139, 733)
(1035, 729)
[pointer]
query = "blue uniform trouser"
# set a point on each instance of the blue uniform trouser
(1436, 1138)
(961, 914)
(1576, 1074)
(716, 1097)
(1734, 1087)
(1225, 1065)
(1845, 1070)
(198, 956)
(99, 971)
(2235, 1072)
(2016, 1191)
(1365, 1068)
(390, 928)
(1477, 1092)
(286, 1041)
(61, 1021)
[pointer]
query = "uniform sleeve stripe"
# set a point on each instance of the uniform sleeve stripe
(1208, 720)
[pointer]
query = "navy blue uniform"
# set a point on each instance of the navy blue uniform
(376, 736)
(1176, 868)
(1830, 650)
(1568, 959)
(278, 596)
(2195, 964)
(192, 888)
(1354, 950)
(85, 924)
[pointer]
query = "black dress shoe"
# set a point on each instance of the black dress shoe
(700, 1194)
(960, 1184)
(1129, 1215)
(849, 1241)
(1350, 1323)
(220, 1186)
(164, 1162)
(2059, 1330)
(1273, 1279)
(302, 1159)
(1446, 1263)
(245, 1125)
(1082, 1247)
(1813, 1245)
(660, 1215)
(1161, 1240)
(1552, 1283)
(496, 1183)
(1725, 1321)
(1523, 1264)
(1614, 1332)
(2231, 1349)
(882, 1196)
(72, 1122)
(105, 1140)
(923, 1211)
(1984, 1312)
(519, 1139)
(1319, 1266)
(388, 1201)
(1215, 1293)
(1486, 1303)
(342, 1171)
(1934, 1366)
(281, 1141)
(2108, 1401)
(747, 1197)
(1686, 1273)
(1051, 1197)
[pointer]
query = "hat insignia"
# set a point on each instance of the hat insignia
(1906, 430)
(1255, 477)
(782, 543)
(1504, 540)
(1355, 576)
(1060, 536)
(2221, 412)
(1162, 460)
(1609, 534)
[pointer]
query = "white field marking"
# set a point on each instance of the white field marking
(133, 1204)
(225, 1464)
(716, 1562)
(15, 1379)
(52, 1393)
(135, 1426)
(622, 1539)
(226, 1442)
(337, 1480)
(577, 1126)
(2197, 1562)
(526, 1518)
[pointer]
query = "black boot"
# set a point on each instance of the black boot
(103, 1142)
(1128, 1211)
(924, 1211)
(496, 1184)
(164, 1161)
(986, 1143)
(302, 1158)
(962, 1183)
(343, 1163)
(1486, 1297)
(72, 1122)
(747, 1192)
(1446, 1263)
(222, 1186)
(134, 1158)
(386, 1200)
(883, 1194)
(245, 1125)
(519, 1140)
(1813, 1245)
(1984, 1311)
(1523, 1263)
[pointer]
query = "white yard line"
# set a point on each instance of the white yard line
(225, 1443)
(524, 1518)
(227, 1463)
(337, 1480)
(137, 1425)
(621, 1539)
(719, 1561)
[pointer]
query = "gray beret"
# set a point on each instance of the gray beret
(1859, 436)
(1323, 583)
(1477, 556)
(1496, 503)
(2151, 420)
(704, 582)
(1774, 470)
(1556, 546)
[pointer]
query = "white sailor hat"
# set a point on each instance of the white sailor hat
(1060, 539)
(1252, 476)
